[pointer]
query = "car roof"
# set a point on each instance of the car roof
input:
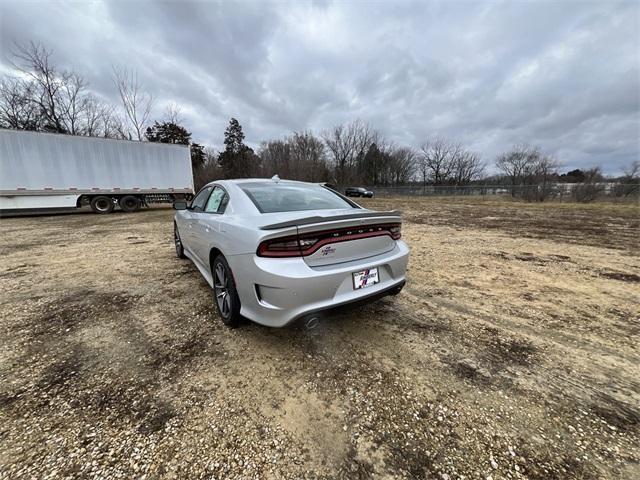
(257, 180)
(266, 181)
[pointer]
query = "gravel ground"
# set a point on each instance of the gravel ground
(511, 353)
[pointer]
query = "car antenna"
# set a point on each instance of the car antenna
(275, 178)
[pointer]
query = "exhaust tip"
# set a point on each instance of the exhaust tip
(311, 323)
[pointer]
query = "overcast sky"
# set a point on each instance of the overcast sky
(561, 75)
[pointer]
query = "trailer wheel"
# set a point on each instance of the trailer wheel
(102, 204)
(129, 203)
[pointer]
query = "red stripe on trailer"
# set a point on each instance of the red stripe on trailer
(116, 188)
(95, 188)
(154, 188)
(20, 188)
(73, 188)
(48, 188)
(136, 188)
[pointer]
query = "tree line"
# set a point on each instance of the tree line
(42, 97)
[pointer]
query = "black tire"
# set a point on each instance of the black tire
(225, 294)
(102, 204)
(178, 242)
(129, 203)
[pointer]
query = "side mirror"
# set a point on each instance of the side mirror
(180, 205)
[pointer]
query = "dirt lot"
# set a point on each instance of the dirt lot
(512, 353)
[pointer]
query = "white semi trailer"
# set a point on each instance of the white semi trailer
(53, 171)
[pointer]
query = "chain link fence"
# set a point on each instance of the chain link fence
(570, 192)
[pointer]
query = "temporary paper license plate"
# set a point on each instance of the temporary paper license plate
(365, 278)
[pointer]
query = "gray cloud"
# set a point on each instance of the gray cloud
(563, 75)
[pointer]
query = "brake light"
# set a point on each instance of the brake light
(280, 247)
(308, 244)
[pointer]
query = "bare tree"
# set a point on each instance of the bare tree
(308, 156)
(401, 165)
(630, 180)
(345, 144)
(537, 176)
(341, 145)
(209, 171)
(436, 160)
(47, 98)
(591, 187)
(300, 157)
(467, 167)
(529, 171)
(632, 172)
(34, 61)
(101, 120)
(93, 117)
(73, 104)
(17, 108)
(275, 158)
(545, 169)
(173, 114)
(137, 103)
(517, 163)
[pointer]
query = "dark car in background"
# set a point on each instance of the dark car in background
(358, 192)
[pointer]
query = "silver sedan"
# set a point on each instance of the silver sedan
(275, 251)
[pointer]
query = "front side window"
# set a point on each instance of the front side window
(282, 197)
(216, 202)
(198, 202)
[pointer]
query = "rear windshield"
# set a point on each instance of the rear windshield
(279, 197)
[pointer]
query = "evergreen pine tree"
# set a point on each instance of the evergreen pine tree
(237, 160)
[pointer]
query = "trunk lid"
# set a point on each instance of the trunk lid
(347, 237)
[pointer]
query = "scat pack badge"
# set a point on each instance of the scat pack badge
(328, 250)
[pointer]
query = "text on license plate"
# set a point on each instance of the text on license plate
(365, 278)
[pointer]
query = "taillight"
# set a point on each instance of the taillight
(308, 244)
(280, 247)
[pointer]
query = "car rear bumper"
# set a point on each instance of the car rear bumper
(277, 291)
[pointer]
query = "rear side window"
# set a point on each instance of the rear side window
(201, 198)
(279, 197)
(216, 202)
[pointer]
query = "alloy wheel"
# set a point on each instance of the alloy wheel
(178, 242)
(221, 290)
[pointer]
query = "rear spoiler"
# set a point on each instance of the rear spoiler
(310, 220)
